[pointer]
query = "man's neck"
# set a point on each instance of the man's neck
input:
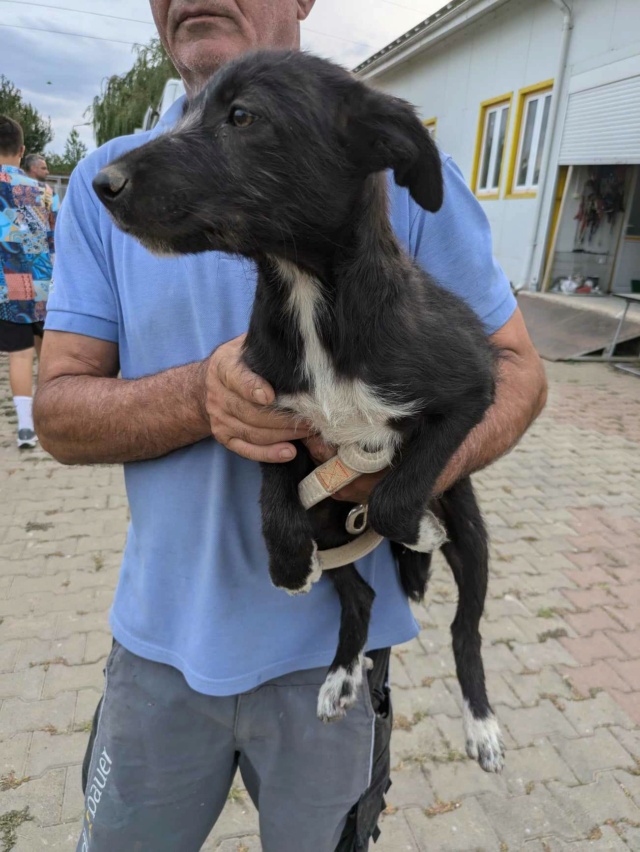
(8, 160)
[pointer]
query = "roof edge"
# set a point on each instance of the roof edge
(445, 21)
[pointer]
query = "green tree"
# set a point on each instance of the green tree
(37, 129)
(74, 151)
(124, 99)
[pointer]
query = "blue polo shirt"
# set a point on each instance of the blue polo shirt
(194, 589)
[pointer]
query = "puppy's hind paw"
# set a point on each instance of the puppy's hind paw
(313, 574)
(431, 535)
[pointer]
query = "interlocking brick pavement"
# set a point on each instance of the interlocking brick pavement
(561, 644)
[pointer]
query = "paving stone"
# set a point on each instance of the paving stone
(26, 684)
(61, 678)
(32, 837)
(460, 779)
(529, 724)
(587, 650)
(537, 684)
(465, 827)
(410, 787)
(86, 706)
(42, 795)
(630, 703)
(589, 755)
(38, 652)
(601, 801)
(426, 701)
(17, 715)
(237, 820)
(517, 820)
(629, 739)
(597, 712)
(535, 765)
(544, 653)
(50, 751)
(13, 754)
(73, 801)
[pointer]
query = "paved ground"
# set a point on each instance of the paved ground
(562, 645)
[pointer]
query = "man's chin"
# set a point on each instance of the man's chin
(203, 48)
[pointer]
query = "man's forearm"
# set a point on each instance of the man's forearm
(521, 394)
(87, 420)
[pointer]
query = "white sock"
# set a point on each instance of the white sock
(24, 409)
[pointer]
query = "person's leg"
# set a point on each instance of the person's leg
(21, 373)
(17, 339)
(161, 763)
(304, 776)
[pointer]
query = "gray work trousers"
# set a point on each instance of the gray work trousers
(162, 758)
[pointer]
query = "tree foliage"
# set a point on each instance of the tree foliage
(124, 99)
(37, 130)
(74, 151)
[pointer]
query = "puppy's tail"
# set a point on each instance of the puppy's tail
(414, 569)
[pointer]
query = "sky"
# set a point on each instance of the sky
(60, 74)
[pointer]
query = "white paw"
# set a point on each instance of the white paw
(484, 740)
(339, 692)
(315, 572)
(431, 535)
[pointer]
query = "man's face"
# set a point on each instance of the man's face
(39, 170)
(201, 35)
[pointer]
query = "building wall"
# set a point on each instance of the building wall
(514, 47)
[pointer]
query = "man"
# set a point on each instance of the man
(25, 273)
(35, 166)
(212, 668)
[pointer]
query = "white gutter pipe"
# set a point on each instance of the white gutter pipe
(567, 27)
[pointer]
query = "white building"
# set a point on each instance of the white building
(538, 101)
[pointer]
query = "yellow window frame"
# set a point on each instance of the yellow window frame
(485, 106)
(523, 96)
(431, 124)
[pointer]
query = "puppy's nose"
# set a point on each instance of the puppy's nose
(110, 183)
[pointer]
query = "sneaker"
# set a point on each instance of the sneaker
(27, 438)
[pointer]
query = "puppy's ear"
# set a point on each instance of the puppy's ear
(384, 132)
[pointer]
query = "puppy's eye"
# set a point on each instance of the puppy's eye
(241, 118)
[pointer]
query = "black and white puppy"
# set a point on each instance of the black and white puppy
(282, 159)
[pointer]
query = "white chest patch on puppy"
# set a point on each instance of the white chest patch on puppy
(344, 411)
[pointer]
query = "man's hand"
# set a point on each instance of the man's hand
(237, 405)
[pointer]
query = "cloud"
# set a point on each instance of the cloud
(61, 74)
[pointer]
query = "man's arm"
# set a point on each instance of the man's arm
(521, 395)
(84, 414)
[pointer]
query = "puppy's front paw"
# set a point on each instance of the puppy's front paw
(339, 692)
(298, 579)
(484, 741)
(431, 535)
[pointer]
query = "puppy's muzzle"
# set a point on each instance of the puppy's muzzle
(112, 185)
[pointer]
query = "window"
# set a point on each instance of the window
(490, 145)
(431, 124)
(534, 108)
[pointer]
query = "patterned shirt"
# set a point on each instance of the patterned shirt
(25, 256)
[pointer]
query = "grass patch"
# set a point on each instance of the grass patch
(440, 808)
(9, 824)
(34, 526)
(546, 612)
(98, 561)
(11, 781)
(236, 795)
(558, 633)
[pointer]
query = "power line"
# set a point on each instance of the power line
(61, 32)
(77, 11)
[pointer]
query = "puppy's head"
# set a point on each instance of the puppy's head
(269, 158)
